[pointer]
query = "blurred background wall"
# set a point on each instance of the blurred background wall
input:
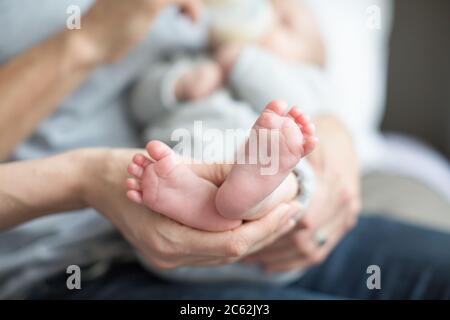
(418, 96)
(418, 104)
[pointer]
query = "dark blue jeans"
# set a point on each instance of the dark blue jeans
(414, 263)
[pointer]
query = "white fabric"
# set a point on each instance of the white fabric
(356, 67)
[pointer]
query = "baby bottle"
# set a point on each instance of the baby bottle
(239, 20)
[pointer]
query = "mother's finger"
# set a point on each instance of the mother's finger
(298, 246)
(294, 212)
(334, 231)
(287, 253)
(289, 265)
(280, 244)
(242, 240)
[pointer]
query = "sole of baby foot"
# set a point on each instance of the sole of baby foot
(168, 186)
(283, 138)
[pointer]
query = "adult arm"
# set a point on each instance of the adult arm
(30, 189)
(33, 83)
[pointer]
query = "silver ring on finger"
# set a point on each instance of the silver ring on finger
(320, 237)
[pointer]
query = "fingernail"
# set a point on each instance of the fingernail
(293, 217)
(296, 217)
(296, 213)
(291, 222)
(288, 225)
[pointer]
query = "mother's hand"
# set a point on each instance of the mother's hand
(164, 242)
(333, 209)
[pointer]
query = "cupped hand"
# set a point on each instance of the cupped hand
(163, 242)
(333, 209)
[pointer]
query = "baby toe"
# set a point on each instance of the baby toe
(158, 150)
(134, 196)
(277, 106)
(135, 170)
(310, 144)
(294, 113)
(141, 160)
(133, 184)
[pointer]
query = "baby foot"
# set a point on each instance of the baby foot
(250, 183)
(167, 186)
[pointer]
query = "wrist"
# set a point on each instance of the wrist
(46, 186)
(103, 173)
(87, 167)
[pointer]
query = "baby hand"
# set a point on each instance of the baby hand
(227, 54)
(199, 82)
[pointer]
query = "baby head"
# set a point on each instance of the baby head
(239, 20)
